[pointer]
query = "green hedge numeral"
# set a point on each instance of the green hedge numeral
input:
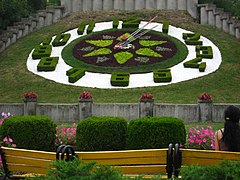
(120, 79)
(75, 74)
(47, 64)
(162, 75)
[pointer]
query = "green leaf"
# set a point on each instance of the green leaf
(147, 52)
(100, 43)
(123, 57)
(148, 43)
(101, 51)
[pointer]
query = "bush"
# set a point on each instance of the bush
(225, 170)
(120, 79)
(155, 132)
(81, 28)
(12, 11)
(47, 64)
(37, 4)
(90, 27)
(74, 74)
(79, 170)
(101, 133)
(162, 75)
(30, 132)
(42, 51)
(61, 39)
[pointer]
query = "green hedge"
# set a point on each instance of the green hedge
(131, 22)
(192, 38)
(196, 63)
(155, 132)
(47, 41)
(101, 133)
(90, 27)
(120, 79)
(115, 22)
(42, 51)
(81, 28)
(61, 39)
(204, 52)
(74, 74)
(162, 75)
(226, 170)
(165, 27)
(30, 132)
(47, 64)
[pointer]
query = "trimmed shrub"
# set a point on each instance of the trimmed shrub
(165, 27)
(196, 63)
(120, 79)
(81, 28)
(204, 52)
(192, 38)
(78, 169)
(101, 133)
(30, 132)
(155, 132)
(202, 67)
(47, 41)
(115, 22)
(131, 22)
(61, 39)
(42, 51)
(47, 64)
(74, 74)
(162, 75)
(90, 27)
(224, 170)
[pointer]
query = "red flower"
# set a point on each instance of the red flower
(85, 95)
(30, 95)
(146, 96)
(205, 96)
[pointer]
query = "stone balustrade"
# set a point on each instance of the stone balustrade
(209, 14)
(27, 25)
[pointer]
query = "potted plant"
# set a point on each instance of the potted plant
(30, 96)
(204, 98)
(146, 98)
(85, 96)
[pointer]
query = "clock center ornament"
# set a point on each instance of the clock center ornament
(124, 54)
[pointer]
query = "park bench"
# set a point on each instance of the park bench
(186, 157)
(130, 162)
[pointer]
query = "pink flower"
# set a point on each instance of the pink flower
(10, 140)
(5, 139)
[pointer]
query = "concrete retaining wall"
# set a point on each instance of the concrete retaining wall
(201, 112)
(211, 15)
(208, 14)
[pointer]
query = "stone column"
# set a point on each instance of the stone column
(218, 22)
(139, 4)
(205, 110)
(203, 15)
(30, 106)
(192, 8)
(97, 5)
(231, 28)
(211, 17)
(150, 4)
(161, 4)
(85, 108)
(237, 31)
(2, 46)
(145, 108)
(225, 27)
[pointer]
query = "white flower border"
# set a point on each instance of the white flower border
(98, 80)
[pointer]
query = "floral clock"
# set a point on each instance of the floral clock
(96, 53)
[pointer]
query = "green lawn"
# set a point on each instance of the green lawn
(223, 85)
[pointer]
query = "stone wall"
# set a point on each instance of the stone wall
(201, 112)
(92, 5)
(27, 25)
(205, 13)
(211, 15)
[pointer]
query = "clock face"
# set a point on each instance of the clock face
(97, 53)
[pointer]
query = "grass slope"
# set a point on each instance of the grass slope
(223, 85)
